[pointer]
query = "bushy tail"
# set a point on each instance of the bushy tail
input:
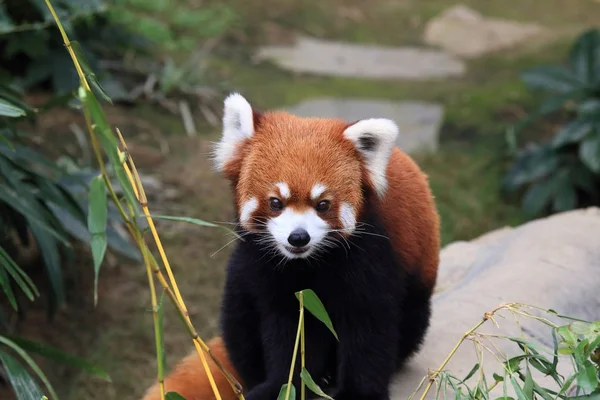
(189, 379)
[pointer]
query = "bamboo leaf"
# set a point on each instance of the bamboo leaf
(51, 256)
(310, 383)
(60, 356)
(23, 384)
(283, 391)
(193, 221)
(6, 287)
(97, 216)
(20, 277)
(9, 110)
(313, 304)
(23, 354)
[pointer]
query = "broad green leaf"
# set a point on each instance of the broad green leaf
(591, 396)
(573, 131)
(587, 378)
(51, 257)
(568, 336)
(528, 385)
(98, 205)
(589, 151)
(9, 110)
(579, 328)
(57, 355)
(310, 383)
(23, 354)
(551, 78)
(23, 384)
(498, 378)
(537, 197)
(313, 304)
(565, 196)
(585, 56)
(173, 396)
(283, 391)
(97, 212)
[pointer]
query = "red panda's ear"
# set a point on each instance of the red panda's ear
(374, 139)
(238, 125)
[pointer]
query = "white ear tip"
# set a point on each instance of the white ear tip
(235, 101)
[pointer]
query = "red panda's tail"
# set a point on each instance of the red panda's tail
(189, 379)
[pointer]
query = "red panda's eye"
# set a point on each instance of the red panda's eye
(275, 204)
(323, 206)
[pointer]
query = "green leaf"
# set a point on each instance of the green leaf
(23, 384)
(587, 378)
(498, 378)
(585, 56)
(537, 197)
(313, 304)
(88, 72)
(471, 373)
(5, 341)
(173, 396)
(60, 356)
(589, 152)
(109, 143)
(551, 78)
(310, 383)
(20, 277)
(7, 288)
(589, 107)
(573, 131)
(528, 385)
(9, 110)
(51, 256)
(518, 390)
(283, 391)
(97, 216)
(565, 196)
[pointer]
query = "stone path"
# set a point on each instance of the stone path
(330, 58)
(419, 123)
(458, 32)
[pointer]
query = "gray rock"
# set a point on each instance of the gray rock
(419, 123)
(324, 57)
(549, 263)
(466, 33)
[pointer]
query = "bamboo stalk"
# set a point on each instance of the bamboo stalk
(300, 324)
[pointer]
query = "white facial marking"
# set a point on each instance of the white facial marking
(238, 125)
(290, 220)
(347, 217)
(284, 189)
(374, 138)
(247, 209)
(317, 191)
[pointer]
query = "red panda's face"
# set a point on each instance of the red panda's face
(299, 181)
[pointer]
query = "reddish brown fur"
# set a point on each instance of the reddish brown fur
(190, 380)
(281, 144)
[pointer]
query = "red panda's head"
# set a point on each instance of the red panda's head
(300, 180)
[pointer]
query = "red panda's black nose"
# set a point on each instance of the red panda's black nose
(299, 238)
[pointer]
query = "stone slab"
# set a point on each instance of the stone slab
(464, 32)
(331, 58)
(419, 123)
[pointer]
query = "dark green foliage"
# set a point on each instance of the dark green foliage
(32, 53)
(563, 173)
(39, 197)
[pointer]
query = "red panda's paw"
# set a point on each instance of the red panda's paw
(190, 380)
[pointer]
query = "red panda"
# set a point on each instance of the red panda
(331, 206)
